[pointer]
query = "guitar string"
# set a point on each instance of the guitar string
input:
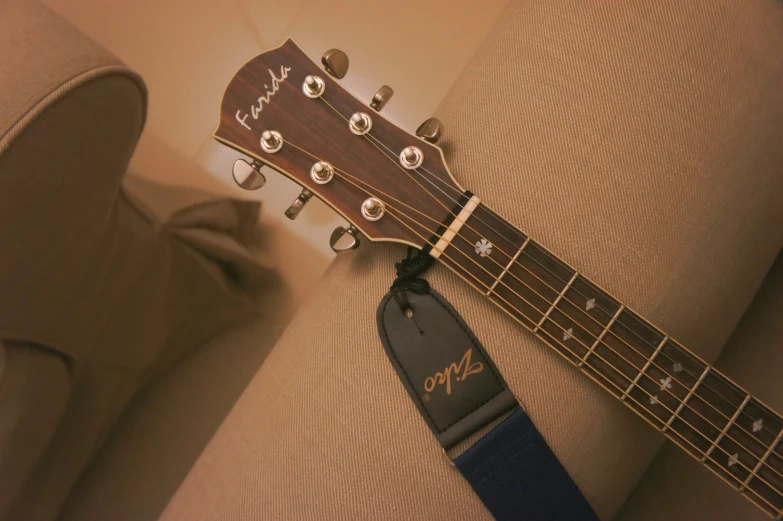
(598, 306)
(743, 413)
(563, 329)
(654, 364)
(680, 349)
(690, 407)
(652, 359)
(625, 392)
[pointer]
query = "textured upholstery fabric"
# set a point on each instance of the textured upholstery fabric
(33, 398)
(166, 428)
(675, 487)
(96, 295)
(638, 140)
(69, 119)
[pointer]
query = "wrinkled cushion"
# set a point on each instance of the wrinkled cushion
(639, 141)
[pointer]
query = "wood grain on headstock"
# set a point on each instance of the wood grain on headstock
(273, 81)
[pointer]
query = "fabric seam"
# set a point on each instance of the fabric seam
(67, 87)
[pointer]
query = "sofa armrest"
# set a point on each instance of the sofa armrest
(107, 288)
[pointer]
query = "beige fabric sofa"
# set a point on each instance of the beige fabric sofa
(101, 292)
(640, 141)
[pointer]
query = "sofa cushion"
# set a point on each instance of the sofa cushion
(639, 141)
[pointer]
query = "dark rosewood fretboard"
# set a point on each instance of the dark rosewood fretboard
(695, 406)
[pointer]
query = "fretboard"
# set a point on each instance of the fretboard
(695, 406)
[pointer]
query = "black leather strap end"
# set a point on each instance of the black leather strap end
(442, 365)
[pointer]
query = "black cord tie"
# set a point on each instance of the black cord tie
(408, 270)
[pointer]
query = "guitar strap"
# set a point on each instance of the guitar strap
(459, 391)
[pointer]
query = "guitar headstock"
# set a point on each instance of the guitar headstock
(288, 113)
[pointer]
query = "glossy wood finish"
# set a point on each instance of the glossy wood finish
(319, 126)
(695, 406)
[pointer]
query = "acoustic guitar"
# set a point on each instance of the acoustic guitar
(285, 112)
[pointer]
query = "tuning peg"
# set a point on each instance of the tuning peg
(298, 204)
(335, 62)
(344, 239)
(381, 97)
(248, 175)
(430, 130)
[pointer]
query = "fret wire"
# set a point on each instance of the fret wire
(554, 304)
(726, 428)
(703, 459)
(742, 465)
(608, 331)
(508, 266)
(524, 300)
(646, 366)
(763, 459)
(560, 296)
(497, 217)
(514, 230)
(687, 397)
(676, 441)
(603, 333)
(601, 336)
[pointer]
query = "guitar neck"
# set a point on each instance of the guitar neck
(695, 406)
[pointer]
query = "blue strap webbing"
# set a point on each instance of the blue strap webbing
(517, 476)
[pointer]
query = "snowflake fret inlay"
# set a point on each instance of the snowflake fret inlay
(483, 247)
(677, 367)
(568, 333)
(666, 383)
(758, 425)
(590, 304)
(653, 400)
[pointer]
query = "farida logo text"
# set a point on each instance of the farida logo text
(256, 110)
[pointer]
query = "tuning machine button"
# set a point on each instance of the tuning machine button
(360, 123)
(381, 97)
(411, 157)
(248, 175)
(271, 141)
(344, 239)
(430, 130)
(335, 62)
(322, 172)
(373, 209)
(299, 203)
(313, 86)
